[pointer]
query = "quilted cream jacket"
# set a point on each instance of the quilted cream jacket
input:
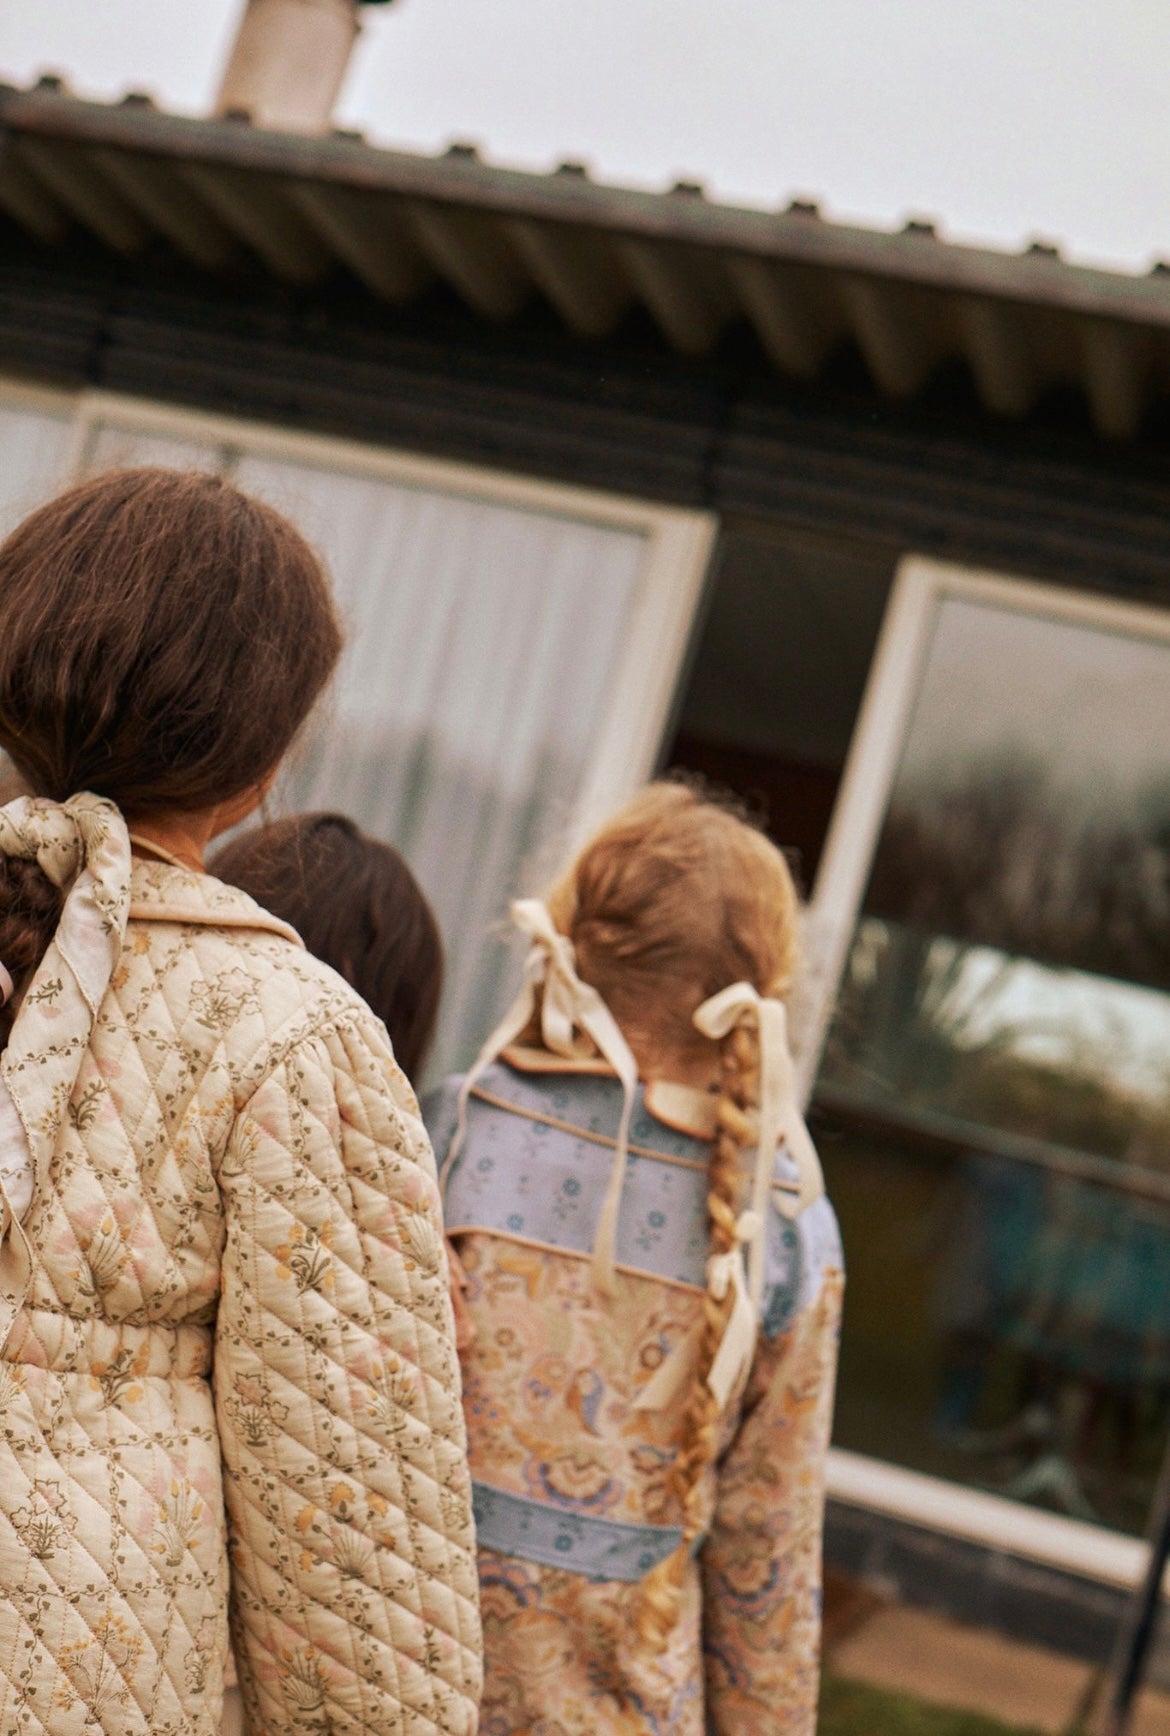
(225, 1331)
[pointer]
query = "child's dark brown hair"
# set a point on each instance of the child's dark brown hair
(163, 637)
(356, 905)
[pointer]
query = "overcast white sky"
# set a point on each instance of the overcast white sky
(1003, 119)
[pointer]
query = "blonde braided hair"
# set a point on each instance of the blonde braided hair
(658, 1610)
(674, 899)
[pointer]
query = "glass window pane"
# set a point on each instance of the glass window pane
(481, 638)
(113, 444)
(34, 449)
(996, 1085)
(778, 672)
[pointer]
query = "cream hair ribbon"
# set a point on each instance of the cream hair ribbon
(574, 1021)
(738, 1344)
(780, 1122)
(83, 847)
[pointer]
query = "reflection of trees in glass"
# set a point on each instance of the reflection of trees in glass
(998, 853)
(1010, 976)
(979, 873)
(905, 1014)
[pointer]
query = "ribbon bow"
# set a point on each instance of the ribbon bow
(83, 847)
(574, 1022)
(738, 1344)
(780, 1120)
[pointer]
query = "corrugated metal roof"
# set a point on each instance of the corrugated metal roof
(219, 191)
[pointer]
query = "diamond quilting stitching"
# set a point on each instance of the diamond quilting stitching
(198, 1020)
(304, 1332)
(113, 1615)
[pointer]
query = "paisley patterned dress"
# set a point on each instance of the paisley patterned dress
(571, 1478)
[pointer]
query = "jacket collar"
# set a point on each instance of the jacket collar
(160, 892)
(684, 1108)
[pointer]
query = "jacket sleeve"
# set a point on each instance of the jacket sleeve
(354, 1590)
(761, 1563)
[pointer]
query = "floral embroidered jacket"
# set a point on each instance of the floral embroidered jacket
(225, 1322)
(570, 1476)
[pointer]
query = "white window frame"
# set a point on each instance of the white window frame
(18, 394)
(55, 401)
(671, 576)
(921, 586)
(991, 1521)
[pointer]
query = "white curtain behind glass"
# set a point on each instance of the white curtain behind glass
(482, 638)
(481, 642)
(34, 449)
(111, 446)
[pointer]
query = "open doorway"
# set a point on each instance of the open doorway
(778, 672)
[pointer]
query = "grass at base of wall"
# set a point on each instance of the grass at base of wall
(855, 1709)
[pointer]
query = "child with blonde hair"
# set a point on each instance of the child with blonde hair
(655, 1279)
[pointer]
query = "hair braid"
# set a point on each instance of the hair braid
(662, 1588)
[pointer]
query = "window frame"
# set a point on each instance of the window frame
(672, 577)
(21, 394)
(921, 584)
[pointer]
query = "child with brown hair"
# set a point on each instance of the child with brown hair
(655, 1279)
(357, 906)
(224, 1317)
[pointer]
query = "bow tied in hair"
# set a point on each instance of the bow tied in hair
(779, 1122)
(574, 1023)
(83, 847)
(738, 1344)
(566, 1003)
